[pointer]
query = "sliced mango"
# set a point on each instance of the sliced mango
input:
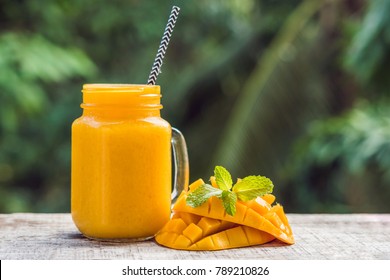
(270, 198)
(195, 185)
(193, 233)
(247, 213)
(165, 237)
(209, 227)
(188, 218)
(210, 234)
(259, 205)
(182, 242)
(176, 225)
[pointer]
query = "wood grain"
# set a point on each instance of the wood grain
(318, 236)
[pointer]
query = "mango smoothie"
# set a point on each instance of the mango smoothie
(121, 163)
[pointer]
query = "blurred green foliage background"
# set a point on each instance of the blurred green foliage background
(294, 90)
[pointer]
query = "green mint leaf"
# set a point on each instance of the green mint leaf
(253, 186)
(247, 189)
(229, 200)
(223, 178)
(202, 194)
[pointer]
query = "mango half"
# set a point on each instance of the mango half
(209, 227)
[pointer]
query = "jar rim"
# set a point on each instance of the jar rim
(103, 96)
(121, 87)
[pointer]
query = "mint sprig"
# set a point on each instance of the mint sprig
(202, 194)
(253, 186)
(223, 178)
(229, 200)
(246, 189)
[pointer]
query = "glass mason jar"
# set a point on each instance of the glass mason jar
(121, 163)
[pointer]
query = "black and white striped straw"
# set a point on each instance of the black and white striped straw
(158, 61)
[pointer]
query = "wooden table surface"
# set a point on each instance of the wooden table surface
(318, 237)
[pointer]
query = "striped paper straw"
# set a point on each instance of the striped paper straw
(158, 61)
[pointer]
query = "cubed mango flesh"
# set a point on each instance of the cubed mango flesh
(209, 227)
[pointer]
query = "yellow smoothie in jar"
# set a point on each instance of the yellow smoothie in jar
(121, 163)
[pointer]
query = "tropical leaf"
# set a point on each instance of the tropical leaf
(367, 57)
(344, 160)
(26, 61)
(281, 96)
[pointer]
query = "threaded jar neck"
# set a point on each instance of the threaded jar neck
(122, 99)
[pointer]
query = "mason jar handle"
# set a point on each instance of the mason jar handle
(181, 175)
